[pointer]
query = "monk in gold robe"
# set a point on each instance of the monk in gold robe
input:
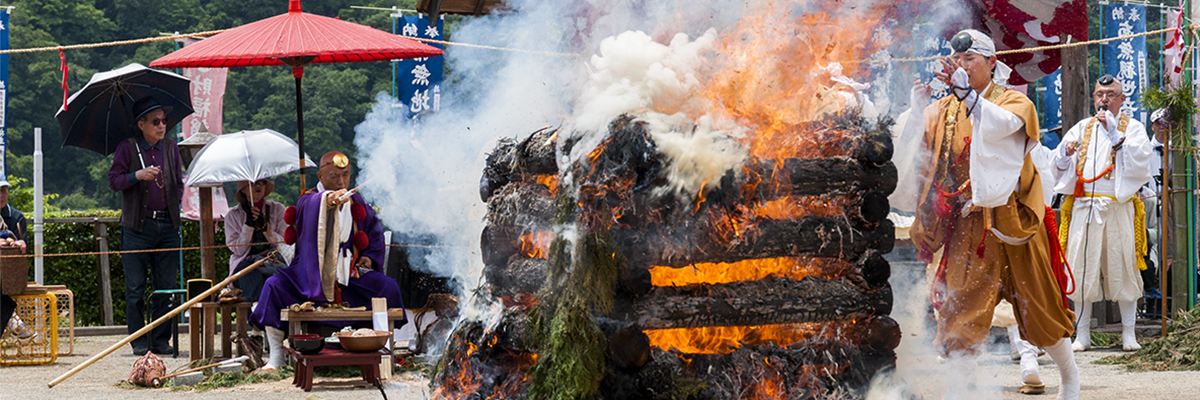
(981, 204)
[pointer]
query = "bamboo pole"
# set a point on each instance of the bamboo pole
(1164, 225)
(157, 322)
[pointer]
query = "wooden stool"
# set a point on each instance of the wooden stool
(303, 378)
(204, 325)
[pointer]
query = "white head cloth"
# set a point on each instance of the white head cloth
(982, 44)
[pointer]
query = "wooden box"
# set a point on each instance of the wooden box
(14, 271)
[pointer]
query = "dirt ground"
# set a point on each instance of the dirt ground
(99, 381)
(999, 378)
(924, 376)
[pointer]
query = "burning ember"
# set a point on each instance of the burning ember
(724, 238)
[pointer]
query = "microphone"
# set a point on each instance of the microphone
(1103, 107)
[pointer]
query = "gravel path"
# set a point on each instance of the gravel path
(919, 370)
(99, 381)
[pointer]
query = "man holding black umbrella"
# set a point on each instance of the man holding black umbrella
(146, 170)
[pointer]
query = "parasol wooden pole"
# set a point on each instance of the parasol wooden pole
(298, 73)
(208, 262)
(157, 322)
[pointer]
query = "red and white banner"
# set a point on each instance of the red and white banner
(1016, 24)
(208, 93)
(1173, 48)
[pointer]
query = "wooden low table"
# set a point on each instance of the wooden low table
(295, 318)
(303, 378)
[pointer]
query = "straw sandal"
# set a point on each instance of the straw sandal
(1030, 388)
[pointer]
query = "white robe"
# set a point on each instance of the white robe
(1100, 240)
(1134, 161)
(998, 150)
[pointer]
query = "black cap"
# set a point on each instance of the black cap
(1106, 80)
(961, 42)
(145, 105)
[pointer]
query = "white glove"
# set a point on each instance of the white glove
(1111, 127)
(966, 208)
(960, 78)
(960, 84)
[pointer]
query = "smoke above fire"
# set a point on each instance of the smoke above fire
(715, 81)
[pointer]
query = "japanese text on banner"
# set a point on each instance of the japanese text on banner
(1051, 91)
(931, 43)
(1126, 59)
(419, 80)
(208, 94)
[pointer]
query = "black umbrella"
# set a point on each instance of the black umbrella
(99, 116)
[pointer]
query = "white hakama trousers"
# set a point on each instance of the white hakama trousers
(1102, 252)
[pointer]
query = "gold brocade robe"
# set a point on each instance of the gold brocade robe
(1020, 273)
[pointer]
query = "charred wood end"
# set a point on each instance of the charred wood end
(882, 334)
(875, 270)
(629, 348)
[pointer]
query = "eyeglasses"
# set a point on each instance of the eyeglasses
(158, 121)
(1106, 95)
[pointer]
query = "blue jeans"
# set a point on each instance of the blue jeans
(163, 268)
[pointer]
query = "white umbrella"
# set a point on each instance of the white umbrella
(244, 156)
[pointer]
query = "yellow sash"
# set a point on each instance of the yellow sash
(1139, 225)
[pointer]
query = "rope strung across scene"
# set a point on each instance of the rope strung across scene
(116, 43)
(218, 246)
(1192, 27)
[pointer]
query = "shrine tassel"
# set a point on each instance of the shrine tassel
(979, 251)
(63, 57)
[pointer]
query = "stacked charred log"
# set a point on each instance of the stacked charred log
(614, 196)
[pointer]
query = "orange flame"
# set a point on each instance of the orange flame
(712, 273)
(726, 339)
(792, 207)
(537, 244)
(549, 181)
(771, 385)
(773, 78)
(466, 380)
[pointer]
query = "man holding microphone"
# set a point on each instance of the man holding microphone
(1100, 165)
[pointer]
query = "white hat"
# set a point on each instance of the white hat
(980, 43)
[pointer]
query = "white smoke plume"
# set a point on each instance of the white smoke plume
(643, 58)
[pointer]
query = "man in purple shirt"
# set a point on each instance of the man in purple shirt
(146, 170)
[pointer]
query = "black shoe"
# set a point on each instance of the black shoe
(164, 350)
(139, 351)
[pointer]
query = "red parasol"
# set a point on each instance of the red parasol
(296, 39)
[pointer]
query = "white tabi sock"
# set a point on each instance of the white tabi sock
(1083, 330)
(1028, 352)
(1128, 322)
(1065, 359)
(275, 341)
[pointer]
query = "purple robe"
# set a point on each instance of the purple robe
(301, 280)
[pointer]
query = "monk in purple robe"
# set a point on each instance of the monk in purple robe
(345, 259)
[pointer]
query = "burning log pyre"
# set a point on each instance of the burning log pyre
(769, 284)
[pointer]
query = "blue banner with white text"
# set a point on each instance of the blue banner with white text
(1126, 59)
(931, 43)
(1051, 91)
(419, 80)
